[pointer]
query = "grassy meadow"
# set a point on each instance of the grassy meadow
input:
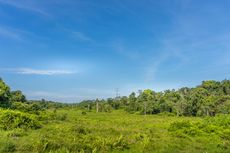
(69, 130)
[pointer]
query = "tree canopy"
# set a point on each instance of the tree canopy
(209, 98)
(4, 94)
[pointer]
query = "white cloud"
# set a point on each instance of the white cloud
(29, 71)
(43, 72)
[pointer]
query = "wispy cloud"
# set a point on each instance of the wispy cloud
(77, 35)
(120, 48)
(21, 35)
(10, 33)
(29, 71)
(25, 5)
(152, 68)
(81, 36)
(192, 44)
(43, 72)
(170, 50)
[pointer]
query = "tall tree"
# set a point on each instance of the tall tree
(132, 102)
(4, 94)
(197, 99)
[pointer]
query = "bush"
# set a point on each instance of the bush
(120, 144)
(218, 125)
(58, 116)
(32, 108)
(179, 125)
(48, 116)
(20, 106)
(7, 147)
(185, 127)
(10, 119)
(83, 113)
(219, 120)
(226, 134)
(80, 129)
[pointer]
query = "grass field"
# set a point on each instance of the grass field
(73, 131)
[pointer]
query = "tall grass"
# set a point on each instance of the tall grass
(70, 131)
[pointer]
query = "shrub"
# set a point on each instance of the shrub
(83, 113)
(7, 147)
(219, 120)
(10, 119)
(58, 117)
(120, 144)
(226, 134)
(185, 127)
(48, 116)
(80, 129)
(218, 125)
(20, 106)
(179, 125)
(32, 108)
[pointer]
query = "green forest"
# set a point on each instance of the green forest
(190, 120)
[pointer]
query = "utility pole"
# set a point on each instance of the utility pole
(117, 94)
(97, 105)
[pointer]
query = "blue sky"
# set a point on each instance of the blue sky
(70, 50)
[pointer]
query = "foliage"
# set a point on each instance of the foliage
(4, 94)
(207, 99)
(17, 96)
(7, 147)
(219, 126)
(14, 119)
(120, 131)
(118, 125)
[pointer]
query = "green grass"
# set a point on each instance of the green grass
(115, 132)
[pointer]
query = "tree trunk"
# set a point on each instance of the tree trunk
(207, 112)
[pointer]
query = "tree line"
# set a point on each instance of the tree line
(17, 100)
(207, 99)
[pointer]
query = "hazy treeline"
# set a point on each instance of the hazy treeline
(17, 100)
(209, 98)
